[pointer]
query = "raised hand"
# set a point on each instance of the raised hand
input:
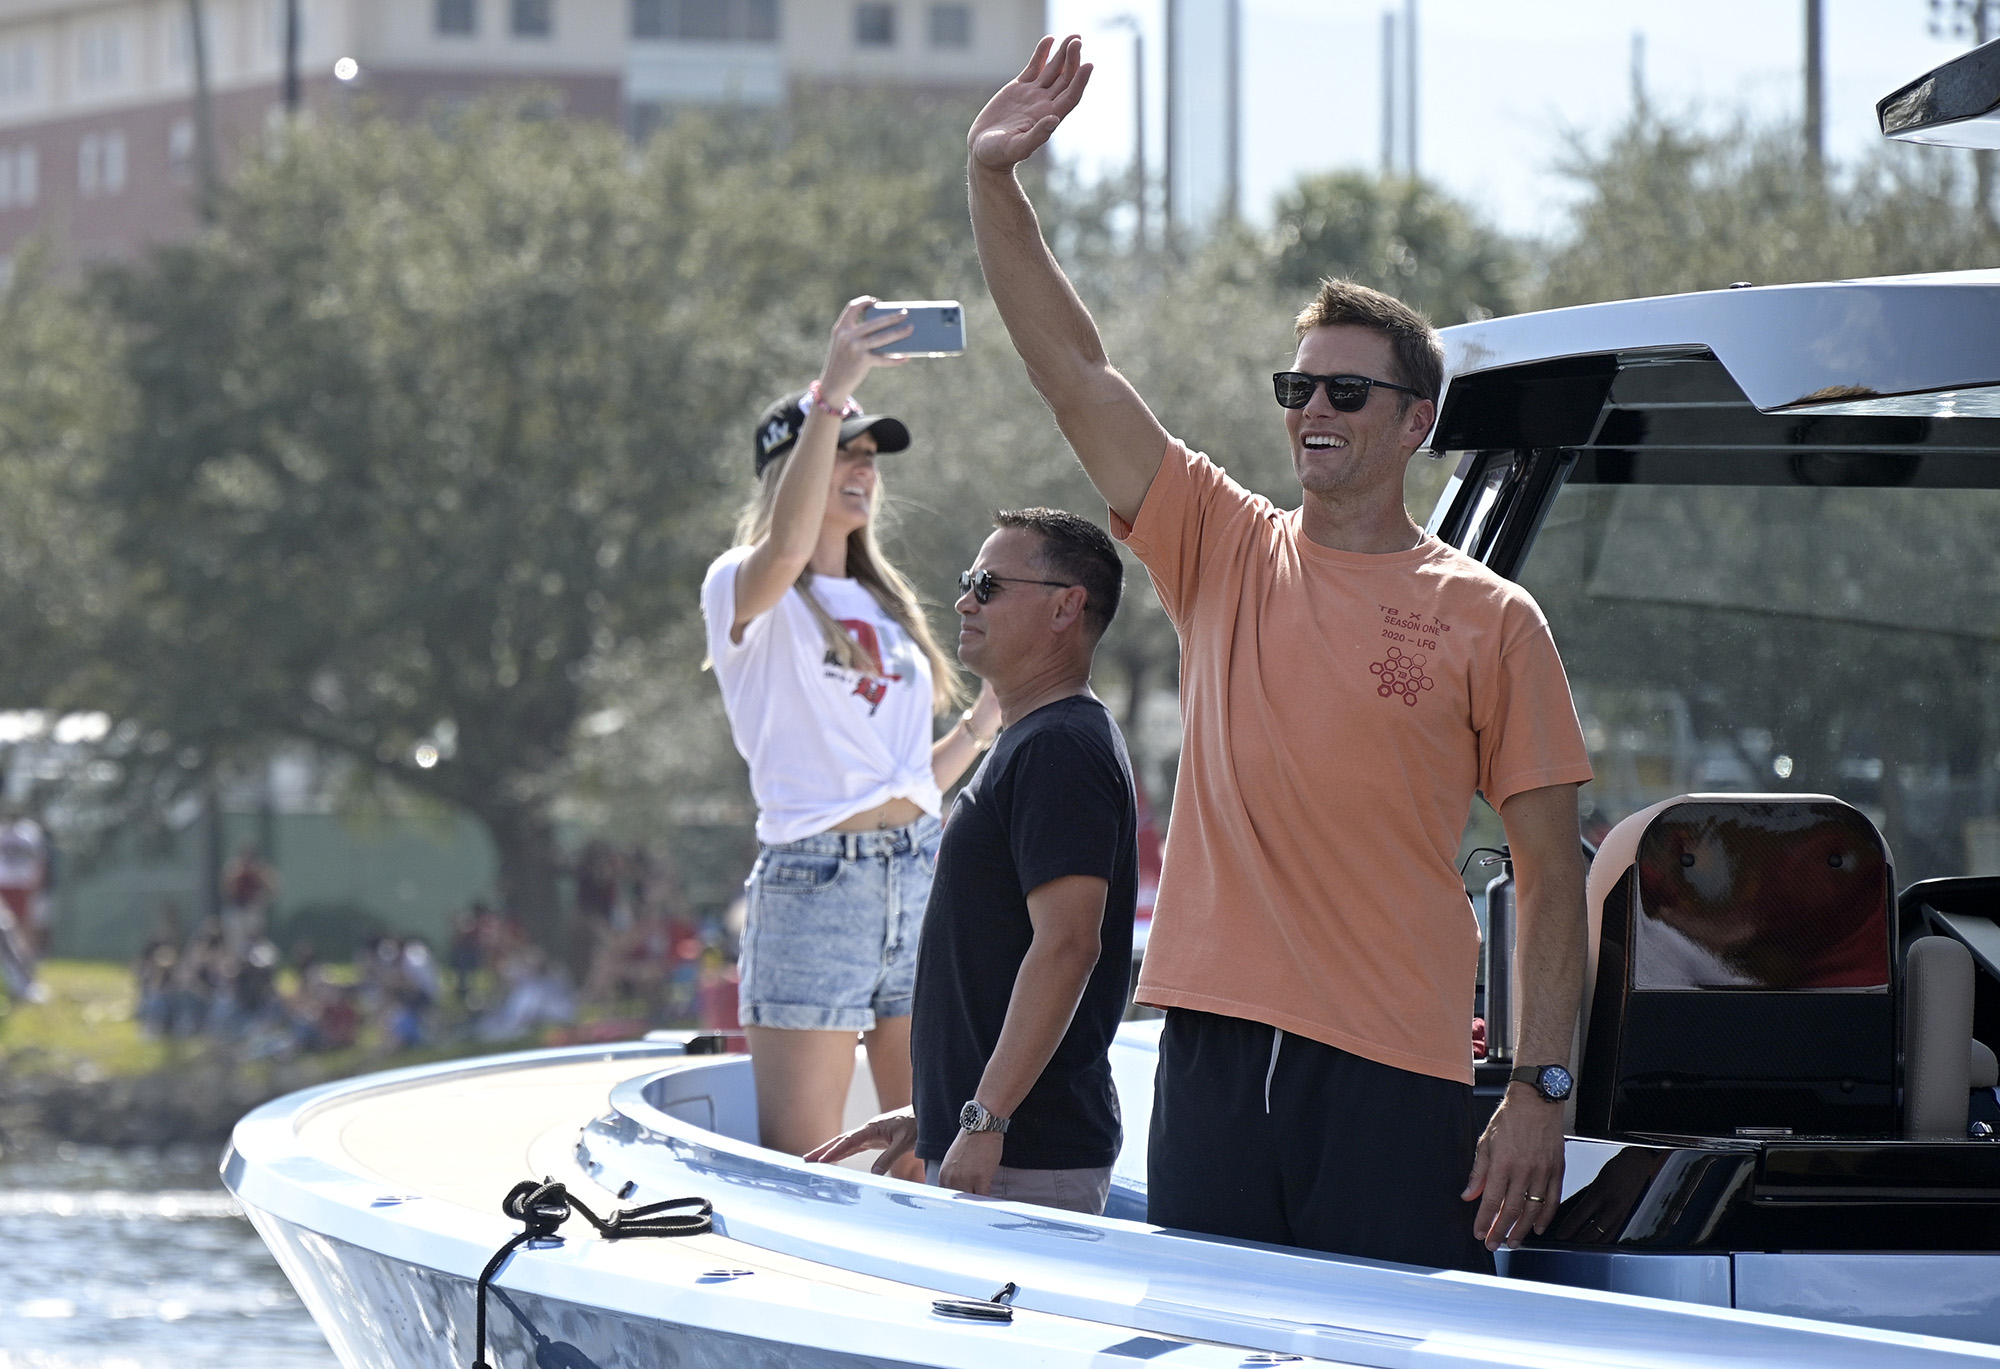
(1025, 111)
(850, 354)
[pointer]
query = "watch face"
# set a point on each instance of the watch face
(1555, 1083)
(968, 1117)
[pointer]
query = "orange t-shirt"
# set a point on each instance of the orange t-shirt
(1338, 712)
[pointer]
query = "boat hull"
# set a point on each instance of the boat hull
(380, 1311)
(380, 1198)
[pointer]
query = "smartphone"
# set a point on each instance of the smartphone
(939, 325)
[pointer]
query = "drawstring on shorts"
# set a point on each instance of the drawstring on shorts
(1277, 1039)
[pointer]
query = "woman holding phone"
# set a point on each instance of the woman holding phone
(831, 679)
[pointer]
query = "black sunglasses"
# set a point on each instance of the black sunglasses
(1294, 389)
(982, 583)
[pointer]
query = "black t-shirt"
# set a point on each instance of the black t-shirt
(1053, 798)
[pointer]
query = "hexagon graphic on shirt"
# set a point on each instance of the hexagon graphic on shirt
(1400, 675)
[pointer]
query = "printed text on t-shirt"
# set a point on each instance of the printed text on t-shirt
(1420, 630)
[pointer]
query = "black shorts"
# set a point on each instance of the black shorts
(1311, 1147)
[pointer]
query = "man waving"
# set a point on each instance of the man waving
(1347, 685)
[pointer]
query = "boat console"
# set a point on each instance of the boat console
(1782, 1068)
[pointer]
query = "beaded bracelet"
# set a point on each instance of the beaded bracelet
(845, 411)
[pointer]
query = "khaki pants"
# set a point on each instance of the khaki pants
(1073, 1190)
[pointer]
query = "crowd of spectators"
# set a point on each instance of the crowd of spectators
(637, 959)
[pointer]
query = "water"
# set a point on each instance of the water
(138, 1260)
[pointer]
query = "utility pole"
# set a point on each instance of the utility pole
(1982, 160)
(1975, 19)
(1815, 89)
(1129, 21)
(291, 56)
(1638, 71)
(1410, 85)
(1388, 94)
(1233, 123)
(204, 112)
(1173, 130)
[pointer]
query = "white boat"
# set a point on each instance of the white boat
(380, 1198)
(1777, 1153)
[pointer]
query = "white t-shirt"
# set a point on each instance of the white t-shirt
(22, 850)
(823, 742)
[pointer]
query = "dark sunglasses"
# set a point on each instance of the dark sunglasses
(1294, 389)
(982, 583)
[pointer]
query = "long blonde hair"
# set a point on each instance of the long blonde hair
(867, 564)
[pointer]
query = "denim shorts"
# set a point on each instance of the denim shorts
(831, 940)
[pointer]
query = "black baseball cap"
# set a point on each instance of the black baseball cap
(778, 429)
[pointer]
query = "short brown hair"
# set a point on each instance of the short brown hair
(1419, 354)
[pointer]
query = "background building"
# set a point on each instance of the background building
(98, 140)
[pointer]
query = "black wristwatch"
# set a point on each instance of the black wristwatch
(1552, 1082)
(973, 1117)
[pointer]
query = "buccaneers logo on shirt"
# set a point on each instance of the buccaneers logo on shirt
(873, 683)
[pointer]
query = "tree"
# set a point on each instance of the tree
(55, 576)
(1668, 208)
(435, 419)
(1405, 237)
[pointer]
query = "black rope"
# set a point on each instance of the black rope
(544, 1207)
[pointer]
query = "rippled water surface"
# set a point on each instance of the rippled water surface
(136, 1260)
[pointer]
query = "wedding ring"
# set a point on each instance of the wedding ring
(1533, 1199)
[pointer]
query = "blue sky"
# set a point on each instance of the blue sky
(1501, 80)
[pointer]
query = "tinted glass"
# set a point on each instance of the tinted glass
(1761, 896)
(1836, 640)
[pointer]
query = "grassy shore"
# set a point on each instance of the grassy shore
(76, 1066)
(87, 1028)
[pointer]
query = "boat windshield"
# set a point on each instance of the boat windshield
(1798, 639)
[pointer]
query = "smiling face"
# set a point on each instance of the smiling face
(850, 499)
(1337, 454)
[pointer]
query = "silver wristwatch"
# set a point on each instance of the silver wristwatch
(973, 1117)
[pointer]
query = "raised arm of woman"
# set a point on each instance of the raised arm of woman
(799, 536)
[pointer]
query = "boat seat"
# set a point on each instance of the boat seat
(1741, 976)
(1942, 1062)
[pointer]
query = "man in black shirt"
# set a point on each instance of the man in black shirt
(1027, 942)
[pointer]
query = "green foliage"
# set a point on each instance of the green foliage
(1667, 208)
(428, 440)
(1405, 237)
(55, 580)
(433, 420)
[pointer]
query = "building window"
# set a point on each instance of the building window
(19, 177)
(17, 70)
(180, 151)
(874, 25)
(534, 18)
(728, 21)
(951, 26)
(100, 54)
(458, 18)
(100, 163)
